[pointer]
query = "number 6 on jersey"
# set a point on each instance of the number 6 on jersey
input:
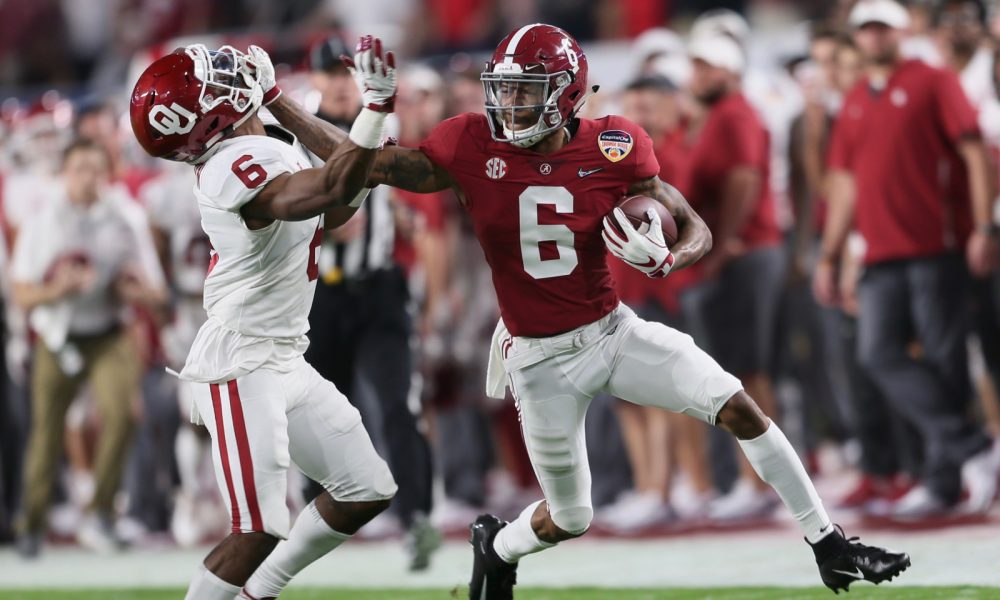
(533, 233)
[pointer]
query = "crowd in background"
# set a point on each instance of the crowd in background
(878, 350)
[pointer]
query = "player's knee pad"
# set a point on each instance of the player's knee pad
(574, 521)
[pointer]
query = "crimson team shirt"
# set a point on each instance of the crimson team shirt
(538, 216)
(733, 137)
(899, 143)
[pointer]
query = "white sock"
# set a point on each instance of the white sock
(775, 461)
(518, 538)
(206, 585)
(309, 539)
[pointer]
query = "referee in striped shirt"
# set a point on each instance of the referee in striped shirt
(362, 309)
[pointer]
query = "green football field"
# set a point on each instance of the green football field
(761, 593)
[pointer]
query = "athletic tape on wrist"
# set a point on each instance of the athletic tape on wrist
(367, 129)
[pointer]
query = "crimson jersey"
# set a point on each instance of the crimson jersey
(538, 216)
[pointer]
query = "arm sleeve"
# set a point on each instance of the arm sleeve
(233, 177)
(441, 144)
(954, 110)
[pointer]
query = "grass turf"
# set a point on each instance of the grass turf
(860, 592)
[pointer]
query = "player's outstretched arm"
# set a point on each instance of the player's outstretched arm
(320, 137)
(341, 181)
(408, 169)
(311, 192)
(694, 240)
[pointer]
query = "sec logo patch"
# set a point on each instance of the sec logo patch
(614, 144)
(496, 168)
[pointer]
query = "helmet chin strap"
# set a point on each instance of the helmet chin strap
(528, 140)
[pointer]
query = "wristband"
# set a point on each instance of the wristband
(271, 95)
(367, 129)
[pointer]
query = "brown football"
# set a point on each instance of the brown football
(635, 208)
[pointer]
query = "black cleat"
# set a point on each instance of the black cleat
(492, 577)
(843, 561)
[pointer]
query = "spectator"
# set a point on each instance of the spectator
(74, 271)
(962, 25)
(730, 189)
(887, 458)
(905, 133)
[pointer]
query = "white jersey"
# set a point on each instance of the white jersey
(260, 283)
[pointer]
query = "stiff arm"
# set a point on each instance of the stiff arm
(694, 239)
(408, 169)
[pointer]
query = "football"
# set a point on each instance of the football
(635, 208)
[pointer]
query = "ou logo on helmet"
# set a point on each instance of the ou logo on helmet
(571, 55)
(167, 120)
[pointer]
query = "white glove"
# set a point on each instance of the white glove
(646, 252)
(263, 72)
(375, 75)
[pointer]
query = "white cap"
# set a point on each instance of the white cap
(721, 20)
(657, 41)
(886, 12)
(719, 51)
(423, 78)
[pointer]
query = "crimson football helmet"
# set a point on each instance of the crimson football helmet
(189, 100)
(535, 82)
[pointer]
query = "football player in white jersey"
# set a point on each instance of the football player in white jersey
(264, 209)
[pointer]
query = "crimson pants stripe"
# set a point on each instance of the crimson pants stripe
(246, 461)
(220, 436)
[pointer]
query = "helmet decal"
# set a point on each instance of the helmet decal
(168, 120)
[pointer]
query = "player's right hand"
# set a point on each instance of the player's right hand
(646, 252)
(374, 74)
(264, 73)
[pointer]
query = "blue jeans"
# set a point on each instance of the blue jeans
(923, 300)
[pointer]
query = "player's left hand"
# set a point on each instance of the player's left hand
(374, 74)
(264, 73)
(646, 252)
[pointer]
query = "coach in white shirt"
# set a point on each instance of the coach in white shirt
(77, 266)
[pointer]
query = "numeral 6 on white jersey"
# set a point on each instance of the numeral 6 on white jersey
(533, 233)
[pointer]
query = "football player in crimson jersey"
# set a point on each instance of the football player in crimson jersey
(538, 184)
(264, 210)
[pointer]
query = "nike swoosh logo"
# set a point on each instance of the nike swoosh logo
(857, 574)
(584, 173)
(649, 263)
